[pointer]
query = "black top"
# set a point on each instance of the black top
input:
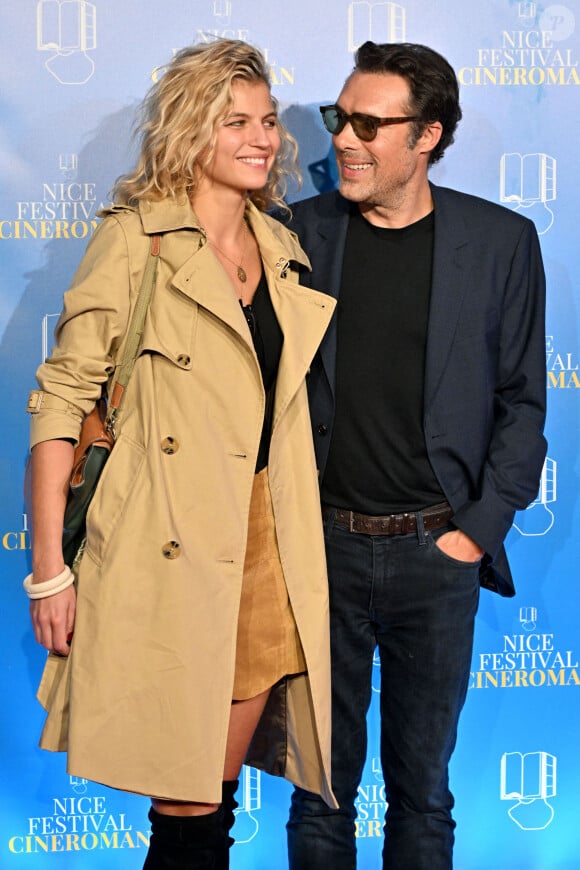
(268, 339)
(378, 461)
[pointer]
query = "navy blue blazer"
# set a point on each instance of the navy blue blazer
(485, 377)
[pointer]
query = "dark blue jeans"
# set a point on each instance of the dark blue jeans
(418, 605)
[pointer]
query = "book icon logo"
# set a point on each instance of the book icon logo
(68, 30)
(529, 781)
(529, 181)
(379, 22)
(537, 519)
(251, 800)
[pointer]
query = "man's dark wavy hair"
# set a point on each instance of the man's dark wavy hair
(432, 83)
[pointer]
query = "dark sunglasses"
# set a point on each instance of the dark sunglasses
(365, 127)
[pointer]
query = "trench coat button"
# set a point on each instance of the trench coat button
(322, 429)
(171, 550)
(183, 359)
(170, 445)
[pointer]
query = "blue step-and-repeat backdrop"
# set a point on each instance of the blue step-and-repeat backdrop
(72, 74)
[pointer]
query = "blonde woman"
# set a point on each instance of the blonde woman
(199, 616)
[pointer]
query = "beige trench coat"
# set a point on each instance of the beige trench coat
(142, 703)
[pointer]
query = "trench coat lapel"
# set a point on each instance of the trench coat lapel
(202, 279)
(451, 274)
(303, 317)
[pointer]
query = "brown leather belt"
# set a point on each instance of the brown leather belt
(435, 517)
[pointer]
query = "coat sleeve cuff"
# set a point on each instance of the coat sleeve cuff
(52, 417)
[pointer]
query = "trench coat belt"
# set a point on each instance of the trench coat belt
(435, 517)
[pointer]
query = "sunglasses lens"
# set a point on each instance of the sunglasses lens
(333, 120)
(364, 127)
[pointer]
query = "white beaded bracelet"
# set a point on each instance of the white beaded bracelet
(49, 587)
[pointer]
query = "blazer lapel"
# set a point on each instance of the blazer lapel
(451, 274)
(325, 246)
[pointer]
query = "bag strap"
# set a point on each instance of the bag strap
(134, 335)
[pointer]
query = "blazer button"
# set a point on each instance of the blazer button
(171, 550)
(170, 445)
(183, 359)
(322, 429)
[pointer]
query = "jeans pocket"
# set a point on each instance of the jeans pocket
(433, 537)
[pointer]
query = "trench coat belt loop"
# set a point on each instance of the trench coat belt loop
(435, 517)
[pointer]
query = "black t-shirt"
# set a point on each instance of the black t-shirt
(378, 461)
(268, 339)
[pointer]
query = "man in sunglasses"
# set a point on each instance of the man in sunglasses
(427, 401)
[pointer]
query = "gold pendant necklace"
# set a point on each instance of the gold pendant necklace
(241, 272)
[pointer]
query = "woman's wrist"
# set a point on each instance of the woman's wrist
(47, 565)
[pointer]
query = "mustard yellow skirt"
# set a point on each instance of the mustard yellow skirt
(268, 646)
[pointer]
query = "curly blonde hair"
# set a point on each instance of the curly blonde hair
(179, 119)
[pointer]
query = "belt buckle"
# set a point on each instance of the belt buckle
(351, 522)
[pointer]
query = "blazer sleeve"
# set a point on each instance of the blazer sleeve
(511, 471)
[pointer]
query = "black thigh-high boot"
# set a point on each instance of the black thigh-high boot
(187, 842)
(229, 804)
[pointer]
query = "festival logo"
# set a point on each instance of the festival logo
(533, 50)
(528, 659)
(222, 27)
(380, 22)
(67, 29)
(77, 822)
(528, 781)
(65, 208)
(538, 518)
